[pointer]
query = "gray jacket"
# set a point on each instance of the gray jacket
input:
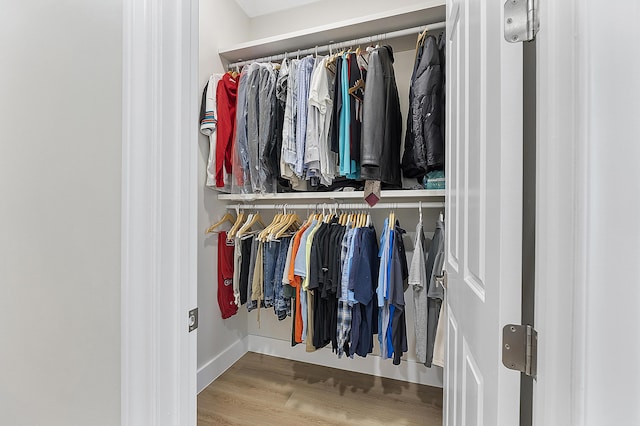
(382, 121)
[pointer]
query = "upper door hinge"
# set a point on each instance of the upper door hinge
(521, 22)
(193, 319)
(520, 349)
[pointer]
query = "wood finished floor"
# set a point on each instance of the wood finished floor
(264, 390)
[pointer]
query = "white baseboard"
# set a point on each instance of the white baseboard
(218, 365)
(408, 371)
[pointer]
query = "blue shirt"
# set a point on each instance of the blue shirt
(345, 119)
(300, 265)
(304, 81)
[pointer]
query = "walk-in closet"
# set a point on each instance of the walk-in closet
(247, 204)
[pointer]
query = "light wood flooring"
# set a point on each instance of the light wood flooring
(264, 390)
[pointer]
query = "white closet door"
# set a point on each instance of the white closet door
(484, 213)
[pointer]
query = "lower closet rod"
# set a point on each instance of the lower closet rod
(343, 44)
(343, 206)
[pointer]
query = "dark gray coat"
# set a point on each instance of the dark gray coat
(381, 122)
(424, 141)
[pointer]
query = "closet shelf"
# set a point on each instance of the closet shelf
(428, 12)
(400, 194)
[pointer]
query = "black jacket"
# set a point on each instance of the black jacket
(381, 122)
(424, 141)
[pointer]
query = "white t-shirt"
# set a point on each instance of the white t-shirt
(208, 128)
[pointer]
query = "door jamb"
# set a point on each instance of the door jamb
(159, 211)
(561, 215)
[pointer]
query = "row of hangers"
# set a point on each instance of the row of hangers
(332, 56)
(285, 222)
(240, 224)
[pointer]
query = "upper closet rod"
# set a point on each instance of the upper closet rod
(343, 44)
(343, 206)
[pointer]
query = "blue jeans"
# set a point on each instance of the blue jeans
(271, 250)
(280, 304)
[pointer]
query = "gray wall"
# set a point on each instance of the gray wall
(60, 168)
(222, 24)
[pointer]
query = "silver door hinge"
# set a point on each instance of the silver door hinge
(521, 22)
(520, 349)
(193, 319)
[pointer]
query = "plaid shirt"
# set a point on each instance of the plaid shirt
(344, 327)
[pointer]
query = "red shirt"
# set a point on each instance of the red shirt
(226, 299)
(226, 96)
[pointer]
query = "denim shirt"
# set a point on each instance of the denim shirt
(304, 81)
(288, 150)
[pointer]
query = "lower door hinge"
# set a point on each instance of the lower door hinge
(520, 348)
(521, 22)
(193, 319)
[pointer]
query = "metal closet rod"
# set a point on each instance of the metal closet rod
(342, 206)
(342, 44)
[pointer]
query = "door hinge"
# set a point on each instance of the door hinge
(521, 22)
(193, 319)
(520, 348)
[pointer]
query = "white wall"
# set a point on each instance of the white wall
(611, 132)
(322, 13)
(222, 23)
(60, 168)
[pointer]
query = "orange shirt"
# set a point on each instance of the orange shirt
(295, 281)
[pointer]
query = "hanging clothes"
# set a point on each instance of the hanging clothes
(424, 140)
(434, 265)
(241, 182)
(288, 153)
(245, 261)
(227, 92)
(305, 69)
(393, 273)
(208, 127)
(363, 283)
(226, 299)
(260, 105)
(319, 160)
(419, 280)
(382, 121)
